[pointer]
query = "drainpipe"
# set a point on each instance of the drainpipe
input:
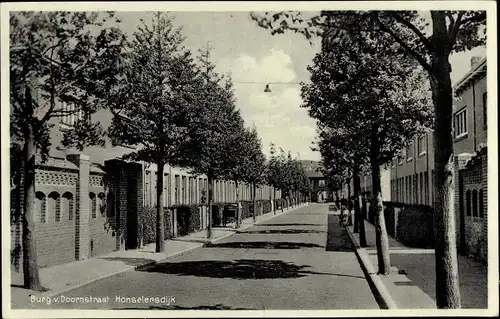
(427, 154)
(474, 112)
(396, 190)
(415, 176)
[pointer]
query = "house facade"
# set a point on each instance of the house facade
(413, 171)
(91, 202)
(320, 191)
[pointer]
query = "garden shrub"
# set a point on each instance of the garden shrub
(416, 226)
(245, 209)
(148, 224)
(267, 206)
(188, 219)
(217, 210)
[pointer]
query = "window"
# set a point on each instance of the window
(421, 145)
(467, 203)
(183, 190)
(415, 189)
(485, 108)
(409, 152)
(72, 115)
(93, 205)
(461, 122)
(401, 159)
(166, 188)
(102, 203)
(55, 205)
(41, 206)
(154, 186)
(67, 205)
(474, 203)
(481, 203)
(176, 190)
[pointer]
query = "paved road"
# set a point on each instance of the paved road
(301, 260)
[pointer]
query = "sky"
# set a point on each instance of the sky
(251, 54)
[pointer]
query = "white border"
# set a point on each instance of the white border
(493, 274)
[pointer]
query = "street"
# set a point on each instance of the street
(300, 260)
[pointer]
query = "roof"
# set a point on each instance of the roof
(479, 70)
(313, 174)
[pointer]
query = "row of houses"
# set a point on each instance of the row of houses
(409, 178)
(91, 202)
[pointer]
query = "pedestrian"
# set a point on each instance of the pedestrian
(344, 214)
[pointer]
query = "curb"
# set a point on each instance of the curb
(52, 293)
(379, 289)
(251, 225)
(138, 267)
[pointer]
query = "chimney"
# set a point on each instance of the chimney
(474, 61)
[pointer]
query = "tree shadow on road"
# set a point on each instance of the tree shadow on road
(337, 238)
(176, 307)
(239, 269)
(264, 245)
(290, 224)
(282, 231)
(129, 261)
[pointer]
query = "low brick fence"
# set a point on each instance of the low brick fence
(412, 225)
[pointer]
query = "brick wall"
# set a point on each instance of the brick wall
(71, 219)
(102, 239)
(474, 211)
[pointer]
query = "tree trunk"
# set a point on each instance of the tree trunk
(160, 219)
(447, 283)
(381, 238)
(349, 195)
(359, 221)
(210, 200)
(30, 258)
(355, 199)
(274, 200)
(253, 202)
(238, 211)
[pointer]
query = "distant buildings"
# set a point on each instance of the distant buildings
(320, 192)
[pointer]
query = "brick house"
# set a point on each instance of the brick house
(320, 190)
(412, 172)
(90, 203)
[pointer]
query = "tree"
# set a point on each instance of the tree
(162, 90)
(255, 164)
(244, 160)
(53, 58)
(340, 153)
(451, 32)
(299, 182)
(236, 161)
(285, 173)
(364, 89)
(272, 170)
(211, 128)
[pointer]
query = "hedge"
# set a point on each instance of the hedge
(266, 206)
(415, 226)
(188, 219)
(148, 223)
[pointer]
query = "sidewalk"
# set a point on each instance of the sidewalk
(411, 284)
(62, 278)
